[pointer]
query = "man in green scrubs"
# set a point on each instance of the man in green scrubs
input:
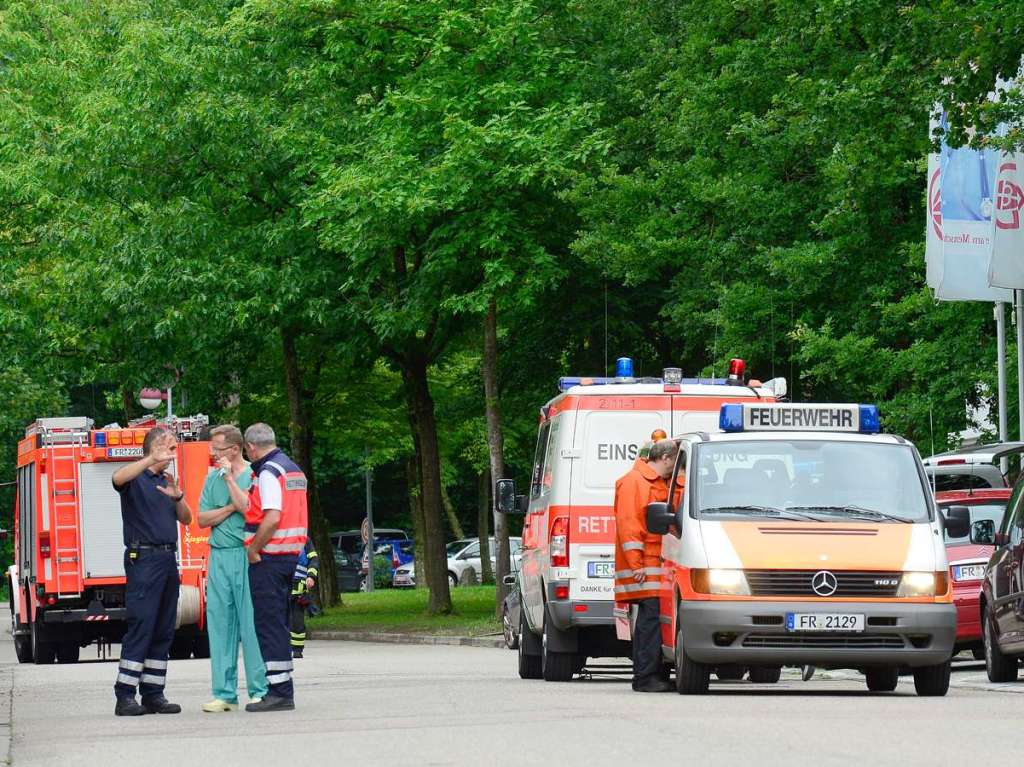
(229, 617)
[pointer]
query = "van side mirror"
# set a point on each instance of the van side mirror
(958, 521)
(659, 518)
(508, 501)
(983, 532)
(509, 580)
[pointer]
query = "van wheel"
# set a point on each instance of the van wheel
(882, 679)
(67, 652)
(529, 651)
(1000, 667)
(765, 674)
(43, 653)
(555, 666)
(692, 678)
(452, 581)
(932, 681)
(508, 630)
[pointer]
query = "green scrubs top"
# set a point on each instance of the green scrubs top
(231, 532)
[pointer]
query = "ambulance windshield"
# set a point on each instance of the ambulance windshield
(810, 479)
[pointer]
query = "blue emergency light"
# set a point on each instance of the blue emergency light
(738, 417)
(624, 367)
(101, 439)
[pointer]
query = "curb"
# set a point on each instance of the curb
(425, 639)
(6, 714)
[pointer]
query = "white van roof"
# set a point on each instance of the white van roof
(658, 389)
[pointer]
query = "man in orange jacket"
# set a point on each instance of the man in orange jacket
(638, 570)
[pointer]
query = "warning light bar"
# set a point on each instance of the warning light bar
(739, 417)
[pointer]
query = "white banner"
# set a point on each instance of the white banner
(966, 182)
(1007, 267)
(933, 250)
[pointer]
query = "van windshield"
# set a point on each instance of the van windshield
(809, 479)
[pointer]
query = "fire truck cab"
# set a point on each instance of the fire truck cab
(589, 436)
(67, 583)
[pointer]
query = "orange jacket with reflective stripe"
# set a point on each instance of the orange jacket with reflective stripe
(635, 548)
(290, 535)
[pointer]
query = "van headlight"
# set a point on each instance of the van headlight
(732, 582)
(917, 584)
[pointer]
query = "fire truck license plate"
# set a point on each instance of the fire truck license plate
(824, 622)
(600, 569)
(124, 452)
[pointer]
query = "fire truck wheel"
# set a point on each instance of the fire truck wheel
(555, 666)
(67, 652)
(23, 648)
(692, 678)
(181, 648)
(42, 652)
(529, 652)
(201, 648)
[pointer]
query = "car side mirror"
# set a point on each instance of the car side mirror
(509, 580)
(958, 521)
(983, 532)
(659, 518)
(508, 501)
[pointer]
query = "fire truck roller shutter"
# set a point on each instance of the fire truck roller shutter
(102, 530)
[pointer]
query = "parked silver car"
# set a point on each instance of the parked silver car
(463, 555)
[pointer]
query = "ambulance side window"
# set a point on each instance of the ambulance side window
(537, 480)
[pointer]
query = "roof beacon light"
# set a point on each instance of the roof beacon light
(672, 375)
(624, 367)
(658, 434)
(739, 417)
(737, 368)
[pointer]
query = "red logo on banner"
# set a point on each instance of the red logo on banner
(935, 203)
(1009, 200)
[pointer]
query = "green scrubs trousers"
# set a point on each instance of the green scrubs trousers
(229, 620)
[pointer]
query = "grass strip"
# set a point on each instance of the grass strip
(405, 611)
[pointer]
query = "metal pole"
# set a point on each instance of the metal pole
(170, 410)
(370, 542)
(1001, 356)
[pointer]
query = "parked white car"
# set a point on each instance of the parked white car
(462, 555)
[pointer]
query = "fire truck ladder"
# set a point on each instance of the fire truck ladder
(64, 489)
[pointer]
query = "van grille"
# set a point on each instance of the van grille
(797, 583)
(799, 641)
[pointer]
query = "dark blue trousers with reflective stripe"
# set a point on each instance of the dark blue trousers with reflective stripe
(270, 581)
(151, 601)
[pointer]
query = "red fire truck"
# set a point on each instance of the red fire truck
(67, 582)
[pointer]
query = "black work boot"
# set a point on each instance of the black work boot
(272, 703)
(654, 685)
(158, 704)
(128, 707)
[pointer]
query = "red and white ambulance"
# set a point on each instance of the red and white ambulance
(589, 436)
(67, 583)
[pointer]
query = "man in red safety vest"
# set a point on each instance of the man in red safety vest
(275, 530)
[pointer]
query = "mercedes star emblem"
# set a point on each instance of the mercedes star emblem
(824, 583)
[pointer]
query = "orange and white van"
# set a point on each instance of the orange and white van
(589, 436)
(806, 538)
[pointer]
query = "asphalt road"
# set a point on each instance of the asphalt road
(375, 704)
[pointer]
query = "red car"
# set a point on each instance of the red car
(967, 560)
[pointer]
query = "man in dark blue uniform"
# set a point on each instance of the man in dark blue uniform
(152, 505)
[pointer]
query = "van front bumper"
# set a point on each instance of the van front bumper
(755, 633)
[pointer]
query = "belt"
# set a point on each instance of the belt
(155, 546)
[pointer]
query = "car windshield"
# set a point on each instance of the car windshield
(809, 479)
(993, 510)
(455, 547)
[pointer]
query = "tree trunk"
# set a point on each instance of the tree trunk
(417, 390)
(453, 519)
(412, 480)
(300, 406)
(495, 445)
(483, 526)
